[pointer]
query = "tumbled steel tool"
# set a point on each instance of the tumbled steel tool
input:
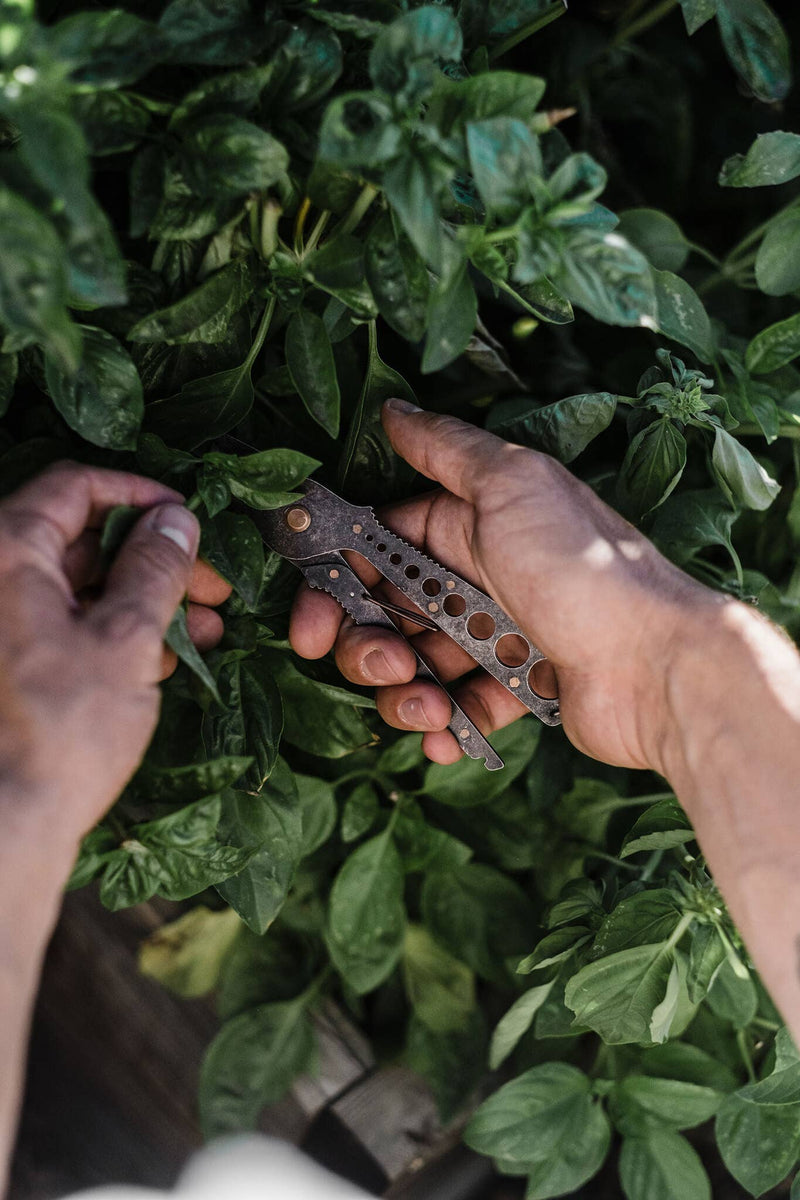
(313, 533)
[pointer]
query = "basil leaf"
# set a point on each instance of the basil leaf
(661, 827)
(252, 718)
(366, 916)
(360, 812)
(516, 1023)
(659, 238)
(662, 1166)
(774, 346)
(740, 475)
(757, 46)
(103, 399)
(233, 546)
(309, 358)
(562, 429)
(177, 638)
(398, 279)
(617, 996)
(772, 159)
(653, 466)
(439, 988)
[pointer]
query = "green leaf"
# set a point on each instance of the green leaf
(453, 1064)
(646, 917)
(608, 278)
(758, 1130)
(661, 827)
(176, 856)
(263, 480)
(309, 358)
(403, 62)
(318, 811)
(33, 281)
(103, 400)
(480, 915)
(774, 346)
(732, 994)
(757, 46)
(366, 916)
(772, 159)
(506, 163)
(201, 316)
(204, 409)
(659, 238)
(233, 546)
(339, 269)
(204, 31)
(251, 1063)
(186, 955)
(439, 988)
(368, 460)
(179, 785)
(358, 131)
(398, 279)
(690, 521)
(554, 948)
(706, 955)
(562, 429)
(777, 270)
(498, 94)
(452, 313)
(177, 638)
(360, 812)
(643, 1104)
(466, 783)
(413, 185)
(529, 1128)
(107, 49)
(320, 718)
(662, 1166)
(272, 821)
(516, 1022)
(617, 996)
(681, 315)
(652, 466)
(697, 12)
(252, 719)
(742, 478)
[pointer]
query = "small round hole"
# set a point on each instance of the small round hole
(412, 572)
(431, 587)
(381, 546)
(542, 680)
(512, 650)
(368, 537)
(396, 559)
(454, 605)
(481, 626)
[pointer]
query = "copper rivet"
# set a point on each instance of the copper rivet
(513, 681)
(433, 607)
(450, 584)
(357, 529)
(464, 734)
(334, 574)
(298, 519)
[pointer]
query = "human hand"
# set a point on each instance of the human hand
(589, 590)
(81, 657)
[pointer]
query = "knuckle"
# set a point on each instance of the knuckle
(130, 624)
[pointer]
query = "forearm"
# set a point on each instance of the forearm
(734, 762)
(32, 875)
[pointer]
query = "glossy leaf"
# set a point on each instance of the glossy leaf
(757, 46)
(103, 400)
(777, 271)
(662, 1166)
(773, 158)
(309, 358)
(740, 475)
(774, 346)
(653, 465)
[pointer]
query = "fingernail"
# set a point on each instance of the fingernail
(175, 522)
(412, 714)
(376, 667)
(401, 406)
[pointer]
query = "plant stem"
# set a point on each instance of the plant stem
(609, 858)
(651, 864)
(634, 28)
(194, 502)
(785, 431)
(515, 38)
(299, 224)
(706, 254)
(360, 206)
(261, 332)
(759, 231)
(680, 929)
(316, 232)
(745, 1053)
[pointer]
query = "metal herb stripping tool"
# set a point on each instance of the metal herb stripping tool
(313, 533)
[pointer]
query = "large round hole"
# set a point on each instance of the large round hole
(542, 679)
(454, 605)
(412, 572)
(381, 546)
(512, 650)
(396, 559)
(481, 626)
(431, 587)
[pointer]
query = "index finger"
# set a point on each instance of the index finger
(69, 497)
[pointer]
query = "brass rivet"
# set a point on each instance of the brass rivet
(450, 584)
(513, 681)
(298, 519)
(357, 528)
(432, 607)
(334, 574)
(464, 734)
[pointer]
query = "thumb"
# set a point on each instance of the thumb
(150, 575)
(455, 454)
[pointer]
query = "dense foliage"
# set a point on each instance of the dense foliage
(217, 214)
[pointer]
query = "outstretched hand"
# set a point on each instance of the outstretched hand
(589, 590)
(81, 654)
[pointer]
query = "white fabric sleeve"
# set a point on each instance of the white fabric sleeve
(247, 1167)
